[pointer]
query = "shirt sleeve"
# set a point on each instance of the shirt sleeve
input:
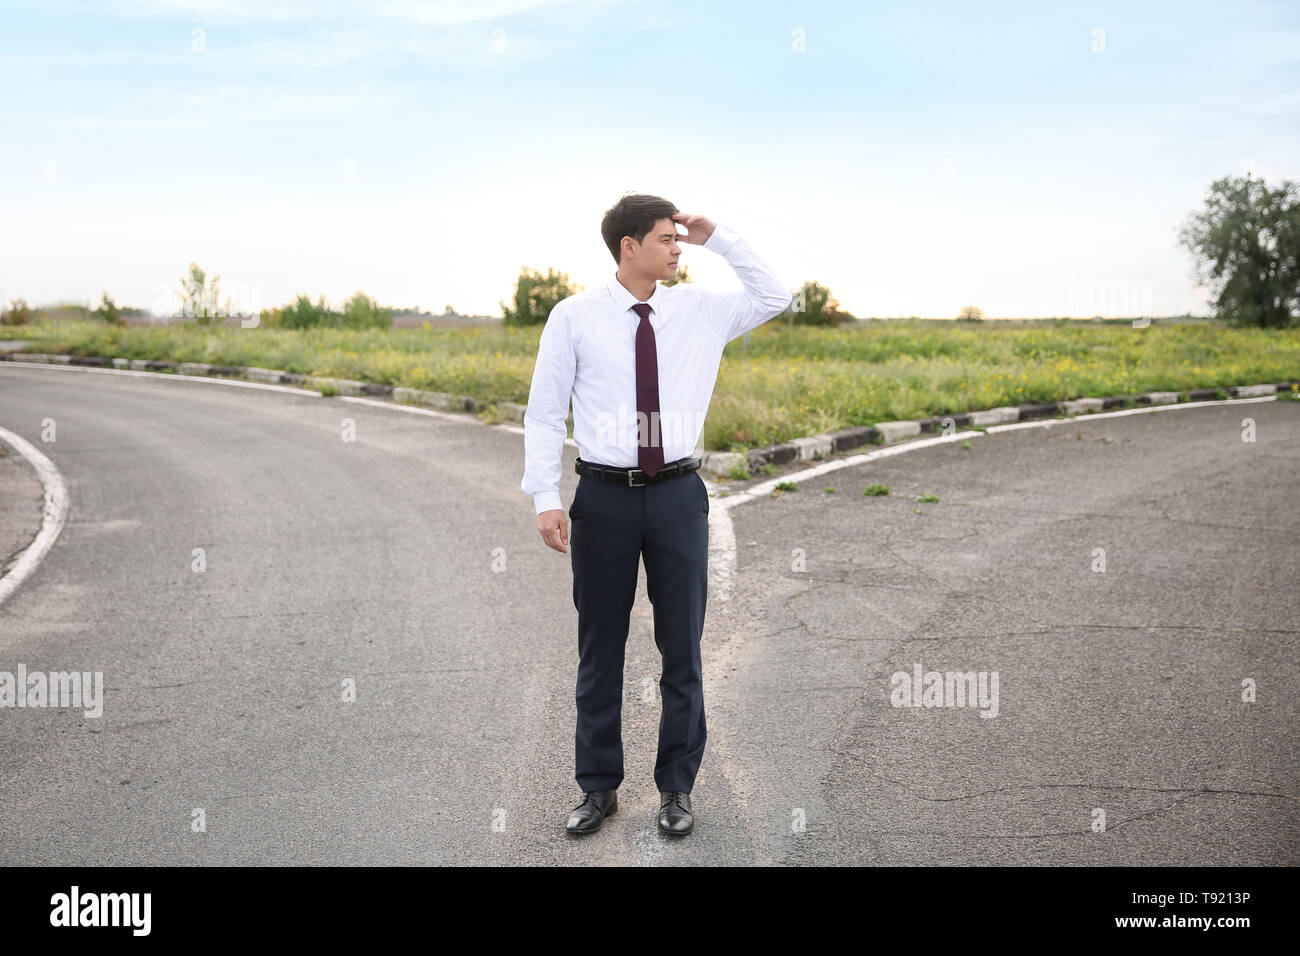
(548, 407)
(732, 314)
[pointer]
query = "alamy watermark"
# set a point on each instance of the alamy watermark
(945, 689)
(76, 908)
(627, 429)
(56, 689)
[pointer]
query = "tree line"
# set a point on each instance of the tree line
(1244, 244)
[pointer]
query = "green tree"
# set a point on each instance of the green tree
(536, 295)
(1246, 247)
(109, 312)
(970, 314)
(362, 312)
(814, 305)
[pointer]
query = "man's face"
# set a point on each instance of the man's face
(658, 254)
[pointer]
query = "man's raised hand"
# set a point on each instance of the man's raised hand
(698, 228)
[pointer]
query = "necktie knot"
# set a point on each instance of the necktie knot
(642, 309)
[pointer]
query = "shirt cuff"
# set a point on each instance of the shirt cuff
(722, 239)
(547, 501)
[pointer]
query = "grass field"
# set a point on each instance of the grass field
(784, 383)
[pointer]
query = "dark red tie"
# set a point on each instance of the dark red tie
(650, 457)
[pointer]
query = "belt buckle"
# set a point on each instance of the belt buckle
(629, 479)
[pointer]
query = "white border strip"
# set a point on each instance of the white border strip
(55, 513)
(170, 376)
(464, 418)
(1159, 407)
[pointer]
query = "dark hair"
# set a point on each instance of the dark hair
(635, 214)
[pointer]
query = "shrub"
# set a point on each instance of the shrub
(362, 312)
(304, 315)
(108, 312)
(814, 305)
(536, 295)
(18, 313)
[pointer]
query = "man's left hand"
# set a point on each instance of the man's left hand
(698, 228)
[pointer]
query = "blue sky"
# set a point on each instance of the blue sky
(914, 157)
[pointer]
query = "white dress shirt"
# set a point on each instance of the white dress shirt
(587, 351)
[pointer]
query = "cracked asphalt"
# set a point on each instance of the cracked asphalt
(408, 563)
(1120, 683)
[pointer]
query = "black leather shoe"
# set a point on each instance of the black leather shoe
(591, 813)
(675, 812)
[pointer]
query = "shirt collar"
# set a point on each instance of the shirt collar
(625, 299)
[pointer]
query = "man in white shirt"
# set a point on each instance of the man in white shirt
(639, 361)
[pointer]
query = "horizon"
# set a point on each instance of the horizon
(849, 318)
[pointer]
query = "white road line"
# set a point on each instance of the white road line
(464, 418)
(1047, 423)
(55, 512)
(171, 376)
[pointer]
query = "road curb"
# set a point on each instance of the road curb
(343, 386)
(815, 447)
(722, 463)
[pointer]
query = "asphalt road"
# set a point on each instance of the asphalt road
(407, 562)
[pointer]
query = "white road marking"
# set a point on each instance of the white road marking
(1128, 411)
(172, 376)
(462, 417)
(55, 512)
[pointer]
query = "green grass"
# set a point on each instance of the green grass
(495, 365)
(789, 382)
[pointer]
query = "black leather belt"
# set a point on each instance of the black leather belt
(635, 477)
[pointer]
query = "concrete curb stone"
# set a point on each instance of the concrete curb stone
(807, 448)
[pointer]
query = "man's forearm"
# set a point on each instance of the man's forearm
(543, 459)
(764, 295)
